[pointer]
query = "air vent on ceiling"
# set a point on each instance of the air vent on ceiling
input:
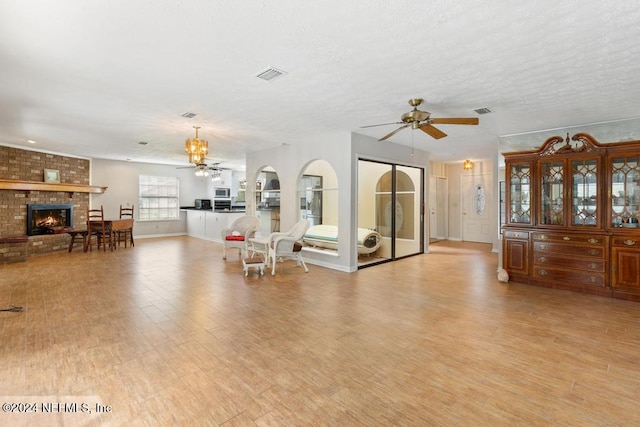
(189, 115)
(270, 74)
(143, 143)
(484, 110)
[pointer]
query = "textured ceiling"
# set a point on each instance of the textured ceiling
(95, 78)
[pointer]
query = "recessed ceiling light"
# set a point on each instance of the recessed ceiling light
(189, 115)
(31, 141)
(270, 74)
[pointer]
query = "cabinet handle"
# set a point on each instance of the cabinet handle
(593, 252)
(593, 241)
(566, 238)
(593, 279)
(543, 237)
(629, 242)
(543, 247)
(593, 266)
(542, 272)
(543, 260)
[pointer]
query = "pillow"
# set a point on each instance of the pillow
(232, 237)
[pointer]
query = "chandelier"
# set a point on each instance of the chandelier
(197, 150)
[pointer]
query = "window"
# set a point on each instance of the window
(158, 198)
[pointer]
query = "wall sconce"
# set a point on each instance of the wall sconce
(467, 165)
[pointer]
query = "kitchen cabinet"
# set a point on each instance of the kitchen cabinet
(196, 223)
(206, 224)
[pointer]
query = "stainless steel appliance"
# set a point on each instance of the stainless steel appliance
(221, 204)
(311, 199)
(202, 204)
(222, 193)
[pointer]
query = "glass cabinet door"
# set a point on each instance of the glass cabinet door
(584, 185)
(519, 193)
(625, 191)
(552, 193)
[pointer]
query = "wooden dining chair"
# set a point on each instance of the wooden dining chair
(96, 228)
(126, 234)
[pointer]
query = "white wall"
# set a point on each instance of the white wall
(122, 181)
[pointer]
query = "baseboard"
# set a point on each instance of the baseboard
(152, 236)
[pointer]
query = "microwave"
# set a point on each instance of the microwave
(202, 204)
(221, 193)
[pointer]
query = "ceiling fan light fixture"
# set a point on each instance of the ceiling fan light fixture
(467, 165)
(196, 148)
(202, 170)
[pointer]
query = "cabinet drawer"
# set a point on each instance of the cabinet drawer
(550, 260)
(568, 238)
(626, 242)
(516, 234)
(559, 248)
(571, 277)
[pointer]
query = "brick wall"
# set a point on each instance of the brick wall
(25, 165)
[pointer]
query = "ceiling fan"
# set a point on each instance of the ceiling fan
(422, 120)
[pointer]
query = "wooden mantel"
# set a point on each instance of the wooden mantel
(9, 184)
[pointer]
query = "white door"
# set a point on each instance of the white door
(438, 211)
(477, 202)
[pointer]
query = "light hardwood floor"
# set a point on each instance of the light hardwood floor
(167, 333)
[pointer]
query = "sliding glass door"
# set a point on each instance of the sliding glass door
(390, 200)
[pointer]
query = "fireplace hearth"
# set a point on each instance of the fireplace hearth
(47, 219)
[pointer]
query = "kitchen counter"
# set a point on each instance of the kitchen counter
(230, 210)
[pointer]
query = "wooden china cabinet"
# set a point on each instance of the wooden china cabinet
(572, 216)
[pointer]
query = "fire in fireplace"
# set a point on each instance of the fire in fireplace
(47, 219)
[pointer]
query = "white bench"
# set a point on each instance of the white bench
(256, 263)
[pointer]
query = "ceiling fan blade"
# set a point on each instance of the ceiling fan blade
(389, 135)
(381, 124)
(185, 167)
(455, 121)
(432, 131)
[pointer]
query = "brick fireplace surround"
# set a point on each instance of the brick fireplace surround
(26, 165)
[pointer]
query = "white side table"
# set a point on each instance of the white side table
(259, 245)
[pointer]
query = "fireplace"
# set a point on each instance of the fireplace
(47, 219)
